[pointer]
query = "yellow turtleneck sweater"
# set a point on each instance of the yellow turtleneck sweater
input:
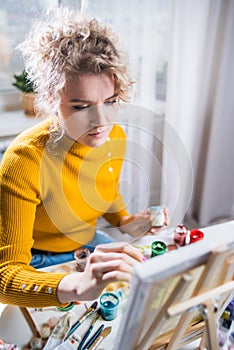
(52, 193)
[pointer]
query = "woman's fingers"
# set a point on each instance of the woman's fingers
(100, 269)
(99, 258)
(167, 219)
(112, 262)
(111, 247)
(119, 247)
(134, 252)
(156, 230)
(145, 212)
(114, 276)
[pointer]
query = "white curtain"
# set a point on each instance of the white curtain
(200, 107)
(141, 175)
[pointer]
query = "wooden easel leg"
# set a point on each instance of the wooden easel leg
(211, 326)
(202, 345)
(30, 321)
(226, 275)
(180, 330)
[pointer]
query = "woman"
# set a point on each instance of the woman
(60, 176)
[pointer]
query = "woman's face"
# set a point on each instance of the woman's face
(89, 107)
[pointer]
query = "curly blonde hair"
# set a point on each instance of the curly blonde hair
(65, 44)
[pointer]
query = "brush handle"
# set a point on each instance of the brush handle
(85, 337)
(94, 337)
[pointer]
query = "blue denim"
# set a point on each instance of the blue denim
(44, 259)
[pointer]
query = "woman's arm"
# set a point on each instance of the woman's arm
(20, 284)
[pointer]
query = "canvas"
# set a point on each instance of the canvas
(156, 311)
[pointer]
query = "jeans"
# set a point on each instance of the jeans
(41, 259)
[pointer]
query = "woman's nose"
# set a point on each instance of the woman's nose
(99, 115)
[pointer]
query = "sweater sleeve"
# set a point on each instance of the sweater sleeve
(116, 213)
(20, 284)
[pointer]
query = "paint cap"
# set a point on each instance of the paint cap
(196, 235)
(158, 248)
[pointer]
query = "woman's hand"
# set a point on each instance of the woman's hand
(108, 263)
(140, 224)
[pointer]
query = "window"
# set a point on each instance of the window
(143, 27)
(16, 17)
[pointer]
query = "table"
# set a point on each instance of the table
(12, 319)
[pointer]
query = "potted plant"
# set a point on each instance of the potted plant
(23, 83)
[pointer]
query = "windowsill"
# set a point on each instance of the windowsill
(14, 122)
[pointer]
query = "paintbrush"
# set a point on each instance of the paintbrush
(89, 330)
(94, 345)
(94, 337)
(87, 313)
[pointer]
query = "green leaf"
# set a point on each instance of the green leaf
(22, 82)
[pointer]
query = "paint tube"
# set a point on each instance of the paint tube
(59, 332)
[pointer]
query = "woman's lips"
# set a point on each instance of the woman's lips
(98, 134)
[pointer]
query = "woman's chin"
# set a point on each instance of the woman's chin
(96, 143)
(92, 142)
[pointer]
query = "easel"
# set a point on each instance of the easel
(210, 301)
(32, 325)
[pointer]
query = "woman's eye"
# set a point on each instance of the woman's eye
(111, 102)
(80, 108)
